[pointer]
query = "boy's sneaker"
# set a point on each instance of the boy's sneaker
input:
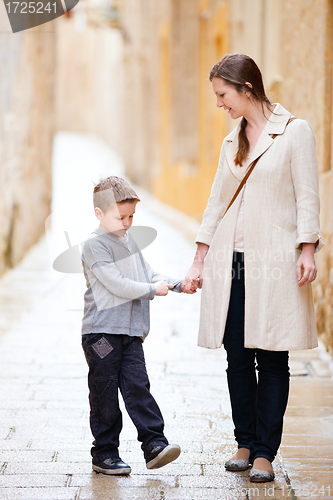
(162, 455)
(113, 466)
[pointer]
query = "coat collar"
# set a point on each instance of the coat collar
(275, 125)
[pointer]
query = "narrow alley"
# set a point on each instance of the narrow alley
(44, 413)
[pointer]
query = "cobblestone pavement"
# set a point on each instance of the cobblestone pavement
(44, 429)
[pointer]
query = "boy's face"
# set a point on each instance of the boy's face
(118, 219)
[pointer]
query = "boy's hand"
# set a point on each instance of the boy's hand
(162, 288)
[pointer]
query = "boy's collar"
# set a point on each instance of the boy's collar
(101, 232)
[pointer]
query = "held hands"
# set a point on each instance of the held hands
(193, 279)
(162, 288)
(189, 286)
(306, 267)
(306, 271)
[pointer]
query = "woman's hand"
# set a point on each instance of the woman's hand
(306, 269)
(188, 286)
(193, 279)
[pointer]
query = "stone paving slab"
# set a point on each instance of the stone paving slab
(44, 413)
(40, 493)
(34, 480)
(39, 461)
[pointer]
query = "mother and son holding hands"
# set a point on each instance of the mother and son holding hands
(254, 263)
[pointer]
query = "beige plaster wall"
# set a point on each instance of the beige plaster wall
(27, 63)
(142, 21)
(307, 42)
(161, 116)
(89, 80)
(169, 49)
(292, 42)
(255, 29)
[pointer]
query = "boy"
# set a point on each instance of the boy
(120, 284)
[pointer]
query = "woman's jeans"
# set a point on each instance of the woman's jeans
(258, 402)
(117, 362)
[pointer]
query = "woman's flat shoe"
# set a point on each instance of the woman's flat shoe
(237, 465)
(261, 476)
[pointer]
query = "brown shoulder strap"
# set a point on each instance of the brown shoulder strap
(248, 173)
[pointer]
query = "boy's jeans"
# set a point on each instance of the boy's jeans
(117, 361)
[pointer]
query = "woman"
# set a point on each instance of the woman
(255, 262)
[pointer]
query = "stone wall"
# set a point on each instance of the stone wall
(306, 89)
(255, 29)
(27, 62)
(89, 80)
(169, 49)
(293, 47)
(177, 131)
(144, 89)
(141, 22)
(161, 115)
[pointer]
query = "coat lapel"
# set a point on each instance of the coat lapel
(275, 125)
(230, 152)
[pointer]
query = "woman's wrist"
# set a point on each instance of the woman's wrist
(308, 248)
(200, 254)
(197, 266)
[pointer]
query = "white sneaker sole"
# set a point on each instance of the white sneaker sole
(169, 454)
(113, 472)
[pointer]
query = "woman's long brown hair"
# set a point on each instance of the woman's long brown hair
(237, 70)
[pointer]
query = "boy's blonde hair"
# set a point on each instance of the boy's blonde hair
(113, 190)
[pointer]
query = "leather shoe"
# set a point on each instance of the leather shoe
(261, 476)
(237, 465)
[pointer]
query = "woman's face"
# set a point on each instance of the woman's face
(229, 98)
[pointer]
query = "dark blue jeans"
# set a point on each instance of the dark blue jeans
(117, 361)
(258, 402)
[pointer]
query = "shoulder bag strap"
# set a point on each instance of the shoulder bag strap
(248, 173)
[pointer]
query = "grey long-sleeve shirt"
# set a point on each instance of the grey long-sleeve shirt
(120, 283)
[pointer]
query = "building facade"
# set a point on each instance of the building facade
(137, 76)
(26, 135)
(177, 131)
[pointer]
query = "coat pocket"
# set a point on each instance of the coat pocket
(283, 223)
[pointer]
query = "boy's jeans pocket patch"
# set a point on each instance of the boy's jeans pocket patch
(102, 347)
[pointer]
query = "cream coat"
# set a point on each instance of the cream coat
(281, 211)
